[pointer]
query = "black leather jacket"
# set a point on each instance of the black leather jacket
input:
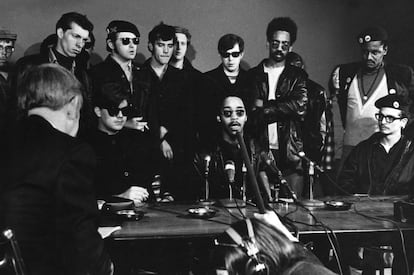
(288, 110)
(356, 175)
(219, 186)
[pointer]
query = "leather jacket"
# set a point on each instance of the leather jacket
(288, 110)
(219, 185)
(356, 175)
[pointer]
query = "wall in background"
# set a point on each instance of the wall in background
(327, 28)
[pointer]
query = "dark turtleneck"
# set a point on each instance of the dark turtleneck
(64, 61)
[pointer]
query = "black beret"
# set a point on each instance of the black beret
(372, 34)
(6, 34)
(122, 26)
(392, 101)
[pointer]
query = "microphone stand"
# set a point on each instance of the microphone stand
(206, 200)
(311, 202)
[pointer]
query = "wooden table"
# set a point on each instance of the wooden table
(170, 220)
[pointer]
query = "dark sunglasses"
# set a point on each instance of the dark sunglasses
(114, 111)
(388, 119)
(125, 41)
(233, 54)
(239, 113)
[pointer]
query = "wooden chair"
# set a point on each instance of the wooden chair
(11, 257)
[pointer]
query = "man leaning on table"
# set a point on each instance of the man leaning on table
(383, 164)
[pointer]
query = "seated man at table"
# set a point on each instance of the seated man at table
(47, 173)
(124, 166)
(382, 165)
(223, 165)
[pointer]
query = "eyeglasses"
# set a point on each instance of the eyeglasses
(233, 54)
(114, 111)
(388, 119)
(126, 40)
(275, 44)
(239, 113)
(7, 49)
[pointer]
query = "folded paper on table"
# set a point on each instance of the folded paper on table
(106, 231)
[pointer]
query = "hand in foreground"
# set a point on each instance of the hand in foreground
(135, 193)
(137, 124)
(166, 150)
(272, 219)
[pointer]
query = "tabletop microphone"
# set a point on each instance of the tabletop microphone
(274, 169)
(230, 169)
(302, 155)
(207, 159)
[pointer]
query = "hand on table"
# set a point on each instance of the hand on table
(136, 193)
(272, 219)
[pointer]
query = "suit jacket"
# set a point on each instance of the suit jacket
(49, 200)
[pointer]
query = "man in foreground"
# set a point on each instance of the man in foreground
(48, 198)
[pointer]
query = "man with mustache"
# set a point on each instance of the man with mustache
(280, 98)
(383, 164)
(358, 85)
(231, 118)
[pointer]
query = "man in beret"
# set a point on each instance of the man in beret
(358, 85)
(7, 40)
(371, 166)
(383, 164)
(122, 42)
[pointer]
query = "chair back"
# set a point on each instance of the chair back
(10, 256)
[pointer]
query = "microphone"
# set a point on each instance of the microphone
(230, 169)
(207, 159)
(302, 155)
(275, 170)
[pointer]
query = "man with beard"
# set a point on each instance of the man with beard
(229, 78)
(280, 98)
(226, 154)
(358, 85)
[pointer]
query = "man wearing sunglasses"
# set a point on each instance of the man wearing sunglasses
(122, 43)
(231, 119)
(279, 101)
(123, 168)
(229, 78)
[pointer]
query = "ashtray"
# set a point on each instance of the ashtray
(338, 205)
(130, 214)
(202, 212)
